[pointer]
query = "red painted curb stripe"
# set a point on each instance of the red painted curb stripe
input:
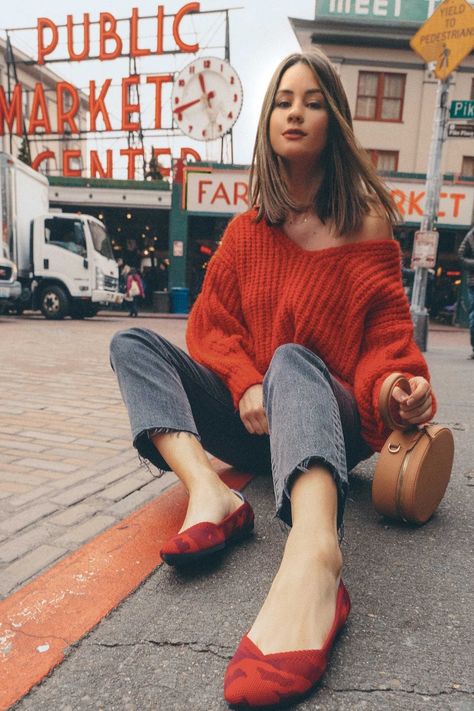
(40, 621)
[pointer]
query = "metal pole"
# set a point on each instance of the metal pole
(10, 59)
(227, 56)
(419, 312)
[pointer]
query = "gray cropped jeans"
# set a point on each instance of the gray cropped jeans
(312, 418)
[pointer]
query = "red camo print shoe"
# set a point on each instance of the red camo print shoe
(206, 538)
(256, 680)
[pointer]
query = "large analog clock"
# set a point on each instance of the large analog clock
(206, 98)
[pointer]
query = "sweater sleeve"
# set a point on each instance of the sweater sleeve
(217, 335)
(388, 347)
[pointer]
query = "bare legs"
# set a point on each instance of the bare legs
(299, 609)
(209, 498)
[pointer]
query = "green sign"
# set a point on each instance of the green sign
(414, 11)
(462, 109)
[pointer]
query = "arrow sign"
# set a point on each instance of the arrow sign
(446, 37)
(462, 110)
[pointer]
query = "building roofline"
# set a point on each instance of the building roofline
(328, 31)
(62, 181)
(387, 35)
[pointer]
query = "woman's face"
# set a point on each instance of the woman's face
(299, 119)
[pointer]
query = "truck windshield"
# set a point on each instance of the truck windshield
(101, 240)
(66, 234)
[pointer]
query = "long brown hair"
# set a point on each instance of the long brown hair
(350, 187)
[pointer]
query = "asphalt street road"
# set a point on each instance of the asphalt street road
(409, 641)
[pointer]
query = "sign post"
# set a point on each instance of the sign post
(445, 39)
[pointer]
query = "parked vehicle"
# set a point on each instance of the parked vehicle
(64, 261)
(10, 287)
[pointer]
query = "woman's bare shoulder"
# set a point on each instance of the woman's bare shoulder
(375, 226)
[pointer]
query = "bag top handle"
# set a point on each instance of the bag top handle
(389, 407)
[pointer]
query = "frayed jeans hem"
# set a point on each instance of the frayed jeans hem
(147, 451)
(283, 510)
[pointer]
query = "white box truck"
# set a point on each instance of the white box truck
(64, 261)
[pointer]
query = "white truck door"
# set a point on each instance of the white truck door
(64, 254)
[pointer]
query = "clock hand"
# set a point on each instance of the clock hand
(207, 96)
(201, 82)
(183, 107)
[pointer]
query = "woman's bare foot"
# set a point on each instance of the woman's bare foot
(211, 502)
(299, 610)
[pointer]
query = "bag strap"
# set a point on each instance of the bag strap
(389, 407)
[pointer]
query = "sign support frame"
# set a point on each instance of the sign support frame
(419, 312)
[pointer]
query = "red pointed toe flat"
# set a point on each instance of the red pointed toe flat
(256, 680)
(206, 538)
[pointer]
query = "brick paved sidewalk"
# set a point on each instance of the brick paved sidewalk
(67, 468)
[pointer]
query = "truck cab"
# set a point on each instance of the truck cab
(73, 265)
(61, 263)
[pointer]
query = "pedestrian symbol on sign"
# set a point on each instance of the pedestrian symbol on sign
(443, 60)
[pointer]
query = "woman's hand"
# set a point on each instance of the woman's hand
(251, 410)
(417, 407)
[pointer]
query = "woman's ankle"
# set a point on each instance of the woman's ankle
(204, 480)
(321, 549)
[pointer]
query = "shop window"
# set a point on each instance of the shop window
(380, 96)
(467, 169)
(384, 161)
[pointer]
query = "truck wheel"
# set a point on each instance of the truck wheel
(54, 303)
(92, 310)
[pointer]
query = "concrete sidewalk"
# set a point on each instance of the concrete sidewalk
(408, 643)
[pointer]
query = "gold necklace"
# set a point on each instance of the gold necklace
(306, 213)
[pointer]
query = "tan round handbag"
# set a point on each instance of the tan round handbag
(415, 464)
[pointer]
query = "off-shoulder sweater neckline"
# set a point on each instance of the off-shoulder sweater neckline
(373, 245)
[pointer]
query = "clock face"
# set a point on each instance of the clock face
(206, 98)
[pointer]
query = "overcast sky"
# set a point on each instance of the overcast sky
(260, 36)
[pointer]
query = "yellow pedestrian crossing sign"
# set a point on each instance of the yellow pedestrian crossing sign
(446, 37)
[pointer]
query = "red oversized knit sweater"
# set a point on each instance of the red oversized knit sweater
(345, 303)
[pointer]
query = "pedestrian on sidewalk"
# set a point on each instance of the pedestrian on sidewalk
(466, 255)
(301, 318)
(135, 291)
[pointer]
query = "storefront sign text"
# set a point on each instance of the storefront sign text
(226, 191)
(455, 203)
(220, 191)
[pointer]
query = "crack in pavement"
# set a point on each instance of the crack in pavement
(401, 690)
(194, 646)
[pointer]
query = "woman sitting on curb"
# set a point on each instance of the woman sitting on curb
(301, 318)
